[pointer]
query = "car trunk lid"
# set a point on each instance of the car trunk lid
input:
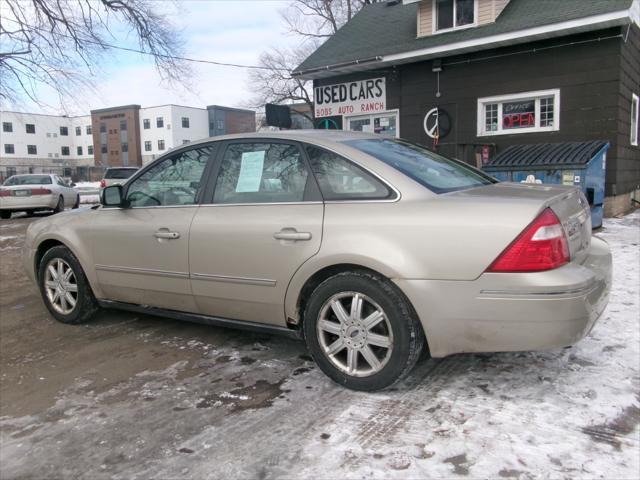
(568, 203)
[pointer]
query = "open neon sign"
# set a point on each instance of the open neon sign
(518, 114)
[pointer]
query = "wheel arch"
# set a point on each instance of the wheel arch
(48, 243)
(298, 302)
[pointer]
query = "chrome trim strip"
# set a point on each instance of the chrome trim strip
(519, 293)
(258, 204)
(142, 271)
(263, 282)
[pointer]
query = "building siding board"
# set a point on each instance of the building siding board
(627, 156)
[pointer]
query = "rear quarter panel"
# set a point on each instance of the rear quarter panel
(447, 237)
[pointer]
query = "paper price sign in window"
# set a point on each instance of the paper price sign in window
(251, 167)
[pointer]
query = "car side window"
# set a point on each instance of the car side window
(175, 180)
(60, 182)
(340, 179)
(261, 172)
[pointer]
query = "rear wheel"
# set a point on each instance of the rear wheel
(77, 204)
(60, 206)
(64, 287)
(5, 214)
(361, 331)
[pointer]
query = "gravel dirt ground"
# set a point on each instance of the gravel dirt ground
(132, 396)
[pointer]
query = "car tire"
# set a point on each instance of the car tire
(5, 215)
(386, 327)
(62, 260)
(60, 206)
(77, 204)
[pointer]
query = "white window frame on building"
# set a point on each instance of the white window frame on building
(147, 146)
(32, 149)
(434, 15)
(346, 121)
(635, 112)
(146, 123)
(488, 105)
(161, 145)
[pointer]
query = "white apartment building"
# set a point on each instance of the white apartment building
(167, 126)
(33, 142)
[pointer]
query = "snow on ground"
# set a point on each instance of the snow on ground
(231, 407)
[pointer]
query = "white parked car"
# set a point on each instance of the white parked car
(36, 192)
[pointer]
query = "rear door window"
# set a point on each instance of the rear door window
(261, 172)
(439, 174)
(341, 179)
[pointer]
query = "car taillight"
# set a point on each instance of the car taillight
(103, 183)
(5, 193)
(40, 191)
(541, 246)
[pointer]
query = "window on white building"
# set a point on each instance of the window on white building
(64, 151)
(90, 150)
(146, 124)
(7, 127)
(147, 146)
(160, 144)
(89, 129)
(450, 14)
(9, 148)
(635, 107)
(78, 131)
(159, 122)
(79, 150)
(519, 113)
(30, 128)
(185, 122)
(32, 150)
(64, 131)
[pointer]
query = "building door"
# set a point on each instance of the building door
(262, 222)
(385, 124)
(141, 253)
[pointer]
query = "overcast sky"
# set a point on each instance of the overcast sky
(235, 31)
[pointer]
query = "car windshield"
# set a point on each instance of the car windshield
(119, 173)
(439, 174)
(28, 180)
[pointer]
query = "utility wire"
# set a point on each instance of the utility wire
(173, 57)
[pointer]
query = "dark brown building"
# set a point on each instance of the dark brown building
(494, 73)
(116, 136)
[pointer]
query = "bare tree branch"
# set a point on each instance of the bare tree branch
(312, 21)
(60, 44)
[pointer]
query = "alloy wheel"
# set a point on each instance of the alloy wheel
(61, 286)
(355, 334)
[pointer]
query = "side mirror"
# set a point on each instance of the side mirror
(112, 196)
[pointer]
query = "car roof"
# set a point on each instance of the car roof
(299, 135)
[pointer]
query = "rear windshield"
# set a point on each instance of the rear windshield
(119, 173)
(439, 174)
(28, 180)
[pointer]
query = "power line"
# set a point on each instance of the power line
(170, 57)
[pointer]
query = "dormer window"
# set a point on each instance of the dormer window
(452, 14)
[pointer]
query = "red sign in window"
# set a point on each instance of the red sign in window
(518, 115)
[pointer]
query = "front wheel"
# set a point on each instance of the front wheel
(361, 331)
(64, 287)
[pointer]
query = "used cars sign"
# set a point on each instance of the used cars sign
(351, 98)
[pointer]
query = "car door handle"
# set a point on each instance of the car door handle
(292, 234)
(164, 233)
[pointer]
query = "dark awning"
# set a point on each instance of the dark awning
(547, 155)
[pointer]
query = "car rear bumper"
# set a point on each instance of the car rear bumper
(514, 311)
(28, 203)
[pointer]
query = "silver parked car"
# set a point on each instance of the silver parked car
(117, 175)
(370, 249)
(35, 192)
